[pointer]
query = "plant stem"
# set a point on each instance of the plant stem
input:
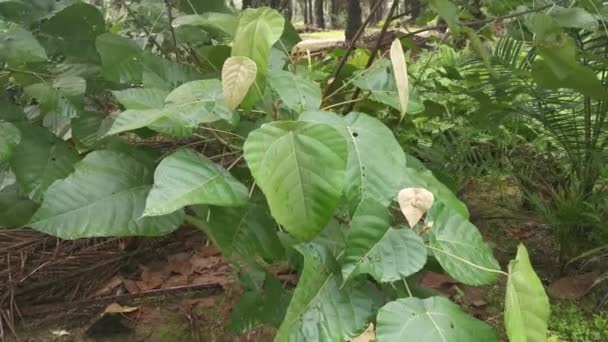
(170, 17)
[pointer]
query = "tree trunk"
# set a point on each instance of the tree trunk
(310, 11)
(319, 14)
(247, 3)
(305, 12)
(415, 8)
(334, 13)
(353, 19)
(276, 4)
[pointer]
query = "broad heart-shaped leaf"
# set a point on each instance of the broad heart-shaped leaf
(459, 247)
(15, 207)
(104, 196)
(297, 93)
(185, 108)
(9, 138)
(121, 59)
(186, 178)
(141, 98)
(256, 33)
(245, 231)
(238, 74)
(322, 310)
(400, 73)
(373, 247)
(40, 159)
(526, 304)
(300, 168)
(369, 174)
(434, 319)
(212, 21)
(19, 46)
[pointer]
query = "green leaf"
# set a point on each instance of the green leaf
(202, 6)
(245, 231)
(40, 159)
(141, 98)
(15, 207)
(160, 73)
(105, 196)
(321, 310)
(300, 168)
(297, 93)
(185, 108)
(9, 138)
(85, 129)
(373, 247)
(216, 22)
(458, 246)
(574, 17)
(256, 33)
(18, 46)
(186, 178)
(526, 304)
(64, 97)
(73, 31)
(429, 320)
(238, 74)
(369, 174)
(263, 306)
(121, 59)
(448, 11)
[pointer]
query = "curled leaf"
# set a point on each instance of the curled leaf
(400, 73)
(414, 203)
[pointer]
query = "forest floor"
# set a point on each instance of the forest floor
(184, 291)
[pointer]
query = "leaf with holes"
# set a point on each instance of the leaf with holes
(429, 320)
(104, 196)
(400, 73)
(300, 168)
(526, 303)
(185, 178)
(369, 174)
(238, 74)
(459, 247)
(373, 247)
(297, 93)
(321, 309)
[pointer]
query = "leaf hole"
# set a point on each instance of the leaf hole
(355, 134)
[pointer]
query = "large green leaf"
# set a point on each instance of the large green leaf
(574, 17)
(459, 247)
(160, 73)
(186, 178)
(19, 46)
(63, 97)
(429, 320)
(212, 21)
(369, 174)
(256, 33)
(245, 231)
(29, 11)
(297, 93)
(121, 59)
(85, 130)
(322, 310)
(73, 31)
(202, 6)
(105, 196)
(526, 304)
(9, 138)
(373, 247)
(185, 108)
(448, 11)
(141, 98)
(300, 168)
(15, 207)
(40, 159)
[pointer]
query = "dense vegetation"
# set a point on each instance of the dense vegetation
(344, 165)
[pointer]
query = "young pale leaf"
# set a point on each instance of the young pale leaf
(105, 196)
(400, 73)
(15, 207)
(429, 320)
(9, 138)
(369, 174)
(40, 159)
(245, 231)
(373, 247)
(321, 310)
(256, 33)
(186, 178)
(238, 74)
(297, 94)
(414, 203)
(19, 46)
(300, 168)
(526, 304)
(459, 247)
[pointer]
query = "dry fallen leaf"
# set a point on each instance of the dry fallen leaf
(367, 336)
(573, 287)
(414, 203)
(115, 308)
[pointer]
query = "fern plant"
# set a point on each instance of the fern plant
(300, 180)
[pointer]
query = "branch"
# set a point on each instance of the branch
(170, 16)
(141, 24)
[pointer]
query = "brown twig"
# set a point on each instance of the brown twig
(171, 29)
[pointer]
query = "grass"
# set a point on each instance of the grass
(570, 323)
